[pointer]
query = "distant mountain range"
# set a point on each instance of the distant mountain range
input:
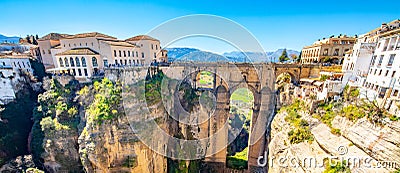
(4, 38)
(192, 54)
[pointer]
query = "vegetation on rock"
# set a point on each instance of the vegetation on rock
(336, 167)
(238, 161)
(301, 130)
(106, 103)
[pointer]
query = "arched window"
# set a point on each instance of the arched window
(137, 55)
(66, 62)
(130, 62)
(71, 60)
(94, 62)
(115, 53)
(155, 55)
(119, 53)
(133, 54)
(124, 53)
(142, 54)
(129, 53)
(83, 62)
(78, 63)
(120, 62)
(61, 62)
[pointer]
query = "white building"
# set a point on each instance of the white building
(87, 54)
(16, 63)
(383, 82)
(10, 68)
(357, 61)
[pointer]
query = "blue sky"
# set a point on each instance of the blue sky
(276, 24)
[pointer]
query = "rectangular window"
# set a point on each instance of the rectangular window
(79, 72)
(380, 60)
(85, 71)
(336, 53)
(387, 72)
(105, 63)
(373, 60)
(391, 59)
(394, 73)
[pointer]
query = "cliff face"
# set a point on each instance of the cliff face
(357, 140)
(85, 129)
(113, 147)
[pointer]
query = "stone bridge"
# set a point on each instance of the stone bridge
(259, 78)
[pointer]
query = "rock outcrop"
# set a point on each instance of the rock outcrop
(113, 147)
(374, 146)
(18, 165)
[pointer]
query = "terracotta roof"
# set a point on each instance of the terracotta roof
(119, 43)
(79, 51)
(90, 34)
(53, 36)
(141, 37)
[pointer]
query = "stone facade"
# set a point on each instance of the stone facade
(330, 49)
(87, 54)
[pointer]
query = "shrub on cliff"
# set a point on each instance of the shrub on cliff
(301, 130)
(107, 100)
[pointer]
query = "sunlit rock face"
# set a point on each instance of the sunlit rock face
(360, 139)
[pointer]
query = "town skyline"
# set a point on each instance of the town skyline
(276, 25)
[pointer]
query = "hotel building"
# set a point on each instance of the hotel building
(327, 50)
(87, 54)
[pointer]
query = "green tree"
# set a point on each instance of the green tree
(284, 57)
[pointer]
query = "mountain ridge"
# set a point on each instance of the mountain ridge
(12, 39)
(183, 53)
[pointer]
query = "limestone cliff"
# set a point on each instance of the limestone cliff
(113, 147)
(358, 139)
